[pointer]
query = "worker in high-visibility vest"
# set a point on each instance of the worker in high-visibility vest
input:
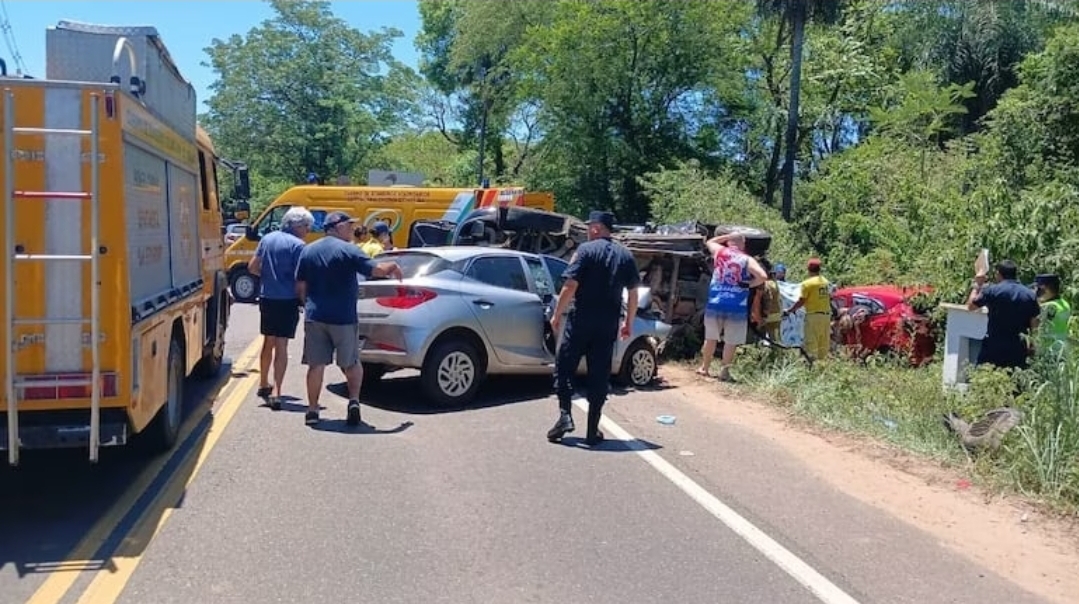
(1055, 311)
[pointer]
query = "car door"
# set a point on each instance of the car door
(508, 311)
(546, 285)
(555, 267)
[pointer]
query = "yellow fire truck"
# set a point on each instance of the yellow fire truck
(113, 274)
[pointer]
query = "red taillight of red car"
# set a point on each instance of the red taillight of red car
(405, 298)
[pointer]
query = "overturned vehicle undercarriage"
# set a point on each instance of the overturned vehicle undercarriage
(672, 259)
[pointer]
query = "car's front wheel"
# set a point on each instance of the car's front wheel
(245, 287)
(452, 373)
(639, 364)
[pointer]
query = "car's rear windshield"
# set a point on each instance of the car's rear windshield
(416, 264)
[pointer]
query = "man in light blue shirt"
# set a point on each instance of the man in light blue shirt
(274, 263)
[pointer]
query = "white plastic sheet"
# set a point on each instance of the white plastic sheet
(791, 330)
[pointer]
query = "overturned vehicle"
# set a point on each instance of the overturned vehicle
(672, 259)
(514, 227)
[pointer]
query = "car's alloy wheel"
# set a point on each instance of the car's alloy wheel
(642, 367)
(456, 373)
(452, 372)
(639, 364)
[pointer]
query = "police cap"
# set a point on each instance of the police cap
(602, 217)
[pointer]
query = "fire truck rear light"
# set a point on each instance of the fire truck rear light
(65, 386)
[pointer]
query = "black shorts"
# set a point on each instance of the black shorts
(279, 318)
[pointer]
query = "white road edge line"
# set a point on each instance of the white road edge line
(825, 591)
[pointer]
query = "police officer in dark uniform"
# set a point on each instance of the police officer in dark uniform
(595, 278)
(1013, 311)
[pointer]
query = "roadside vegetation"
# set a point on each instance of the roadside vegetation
(922, 131)
(892, 210)
(904, 407)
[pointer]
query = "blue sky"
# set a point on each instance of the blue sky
(188, 26)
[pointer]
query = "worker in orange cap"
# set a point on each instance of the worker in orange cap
(817, 299)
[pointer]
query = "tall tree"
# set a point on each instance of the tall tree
(796, 13)
(465, 48)
(977, 41)
(626, 88)
(305, 92)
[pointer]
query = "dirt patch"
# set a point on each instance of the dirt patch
(1010, 536)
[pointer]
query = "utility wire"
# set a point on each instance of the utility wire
(9, 40)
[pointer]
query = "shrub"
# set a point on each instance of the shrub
(905, 406)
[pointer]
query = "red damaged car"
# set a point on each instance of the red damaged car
(880, 318)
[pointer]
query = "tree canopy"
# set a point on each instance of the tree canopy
(923, 130)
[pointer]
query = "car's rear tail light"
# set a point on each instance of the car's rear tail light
(65, 386)
(405, 298)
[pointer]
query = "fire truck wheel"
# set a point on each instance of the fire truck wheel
(164, 430)
(210, 365)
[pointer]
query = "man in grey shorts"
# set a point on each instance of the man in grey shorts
(326, 281)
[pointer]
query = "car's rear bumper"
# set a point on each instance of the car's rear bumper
(391, 345)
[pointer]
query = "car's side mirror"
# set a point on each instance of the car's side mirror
(251, 234)
(243, 186)
(476, 230)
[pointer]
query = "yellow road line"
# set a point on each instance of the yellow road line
(110, 582)
(82, 555)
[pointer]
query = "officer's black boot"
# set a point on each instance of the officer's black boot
(563, 426)
(594, 436)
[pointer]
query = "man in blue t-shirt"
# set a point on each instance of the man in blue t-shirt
(274, 263)
(326, 281)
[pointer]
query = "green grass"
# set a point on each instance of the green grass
(904, 406)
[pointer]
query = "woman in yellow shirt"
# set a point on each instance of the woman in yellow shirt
(379, 242)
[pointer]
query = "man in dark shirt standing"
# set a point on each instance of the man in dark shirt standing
(1013, 310)
(326, 281)
(594, 280)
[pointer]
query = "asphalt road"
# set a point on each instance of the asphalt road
(455, 506)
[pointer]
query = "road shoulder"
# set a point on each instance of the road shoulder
(1005, 536)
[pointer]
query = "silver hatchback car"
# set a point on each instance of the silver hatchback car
(462, 313)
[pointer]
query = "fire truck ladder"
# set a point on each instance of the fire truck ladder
(13, 386)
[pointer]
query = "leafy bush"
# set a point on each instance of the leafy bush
(889, 212)
(689, 193)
